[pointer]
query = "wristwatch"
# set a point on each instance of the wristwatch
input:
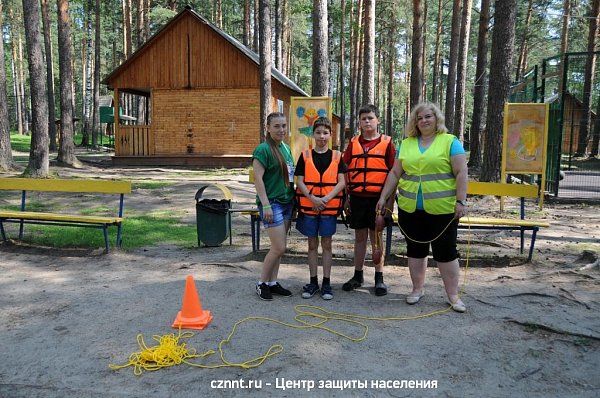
(462, 203)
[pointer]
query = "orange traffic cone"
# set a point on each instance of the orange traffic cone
(191, 316)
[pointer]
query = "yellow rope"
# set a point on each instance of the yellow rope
(170, 352)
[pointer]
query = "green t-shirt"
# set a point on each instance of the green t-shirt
(274, 183)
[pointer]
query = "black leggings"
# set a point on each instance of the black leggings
(423, 226)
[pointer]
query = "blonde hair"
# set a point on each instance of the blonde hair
(411, 126)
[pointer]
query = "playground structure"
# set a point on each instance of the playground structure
(559, 81)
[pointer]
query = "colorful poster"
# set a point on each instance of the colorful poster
(303, 113)
(525, 137)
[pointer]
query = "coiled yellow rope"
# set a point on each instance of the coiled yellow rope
(170, 351)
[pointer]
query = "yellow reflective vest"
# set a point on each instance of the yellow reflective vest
(431, 170)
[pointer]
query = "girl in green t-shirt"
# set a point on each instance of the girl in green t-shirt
(273, 177)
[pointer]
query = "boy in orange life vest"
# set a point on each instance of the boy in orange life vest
(320, 182)
(369, 156)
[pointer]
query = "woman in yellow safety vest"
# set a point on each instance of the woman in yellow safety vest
(430, 174)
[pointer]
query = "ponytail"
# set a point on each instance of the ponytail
(275, 151)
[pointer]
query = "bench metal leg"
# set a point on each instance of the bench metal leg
(105, 231)
(257, 228)
(253, 233)
(533, 235)
(21, 224)
(388, 240)
(229, 221)
(120, 235)
(522, 239)
(2, 231)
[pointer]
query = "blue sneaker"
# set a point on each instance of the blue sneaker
(309, 290)
(326, 292)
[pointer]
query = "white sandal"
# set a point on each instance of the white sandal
(458, 306)
(414, 298)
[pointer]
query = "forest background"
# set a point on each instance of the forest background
(394, 53)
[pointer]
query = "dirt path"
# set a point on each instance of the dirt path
(531, 329)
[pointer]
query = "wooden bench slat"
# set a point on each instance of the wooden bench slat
(63, 185)
(30, 215)
(497, 189)
(502, 221)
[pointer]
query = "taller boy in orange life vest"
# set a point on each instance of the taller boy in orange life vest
(320, 183)
(369, 156)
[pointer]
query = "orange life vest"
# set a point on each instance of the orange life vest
(320, 185)
(367, 170)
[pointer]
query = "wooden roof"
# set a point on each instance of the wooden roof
(191, 52)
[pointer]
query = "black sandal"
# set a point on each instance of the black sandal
(351, 285)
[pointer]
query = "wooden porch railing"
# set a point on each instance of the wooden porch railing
(134, 141)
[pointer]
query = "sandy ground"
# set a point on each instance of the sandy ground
(531, 329)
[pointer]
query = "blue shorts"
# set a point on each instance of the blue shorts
(312, 227)
(281, 212)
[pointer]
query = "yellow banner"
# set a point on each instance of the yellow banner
(303, 113)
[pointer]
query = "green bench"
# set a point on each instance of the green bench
(23, 216)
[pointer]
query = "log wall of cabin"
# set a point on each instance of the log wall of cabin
(205, 122)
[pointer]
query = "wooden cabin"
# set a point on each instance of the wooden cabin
(202, 87)
(572, 119)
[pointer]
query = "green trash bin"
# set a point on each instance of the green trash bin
(212, 219)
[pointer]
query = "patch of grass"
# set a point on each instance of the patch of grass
(97, 211)
(579, 247)
(20, 143)
(582, 341)
(138, 231)
(29, 206)
(150, 185)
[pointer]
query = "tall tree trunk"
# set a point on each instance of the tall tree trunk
(479, 89)
(66, 149)
(391, 60)
(246, 23)
(6, 159)
(451, 82)
(368, 80)
(521, 63)
(97, 65)
(277, 30)
(141, 12)
(87, 87)
(285, 38)
(354, 29)
(127, 46)
(23, 80)
(265, 64)
(219, 13)
(588, 83)
(416, 69)
(436, 57)
(503, 38)
(16, 75)
(256, 25)
(49, 75)
(596, 133)
(38, 155)
(564, 40)
(320, 53)
(171, 5)
(359, 65)
(378, 91)
(461, 70)
(342, 72)
(424, 53)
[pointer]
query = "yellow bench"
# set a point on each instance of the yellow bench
(521, 191)
(61, 185)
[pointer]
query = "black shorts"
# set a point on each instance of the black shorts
(362, 212)
(423, 226)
